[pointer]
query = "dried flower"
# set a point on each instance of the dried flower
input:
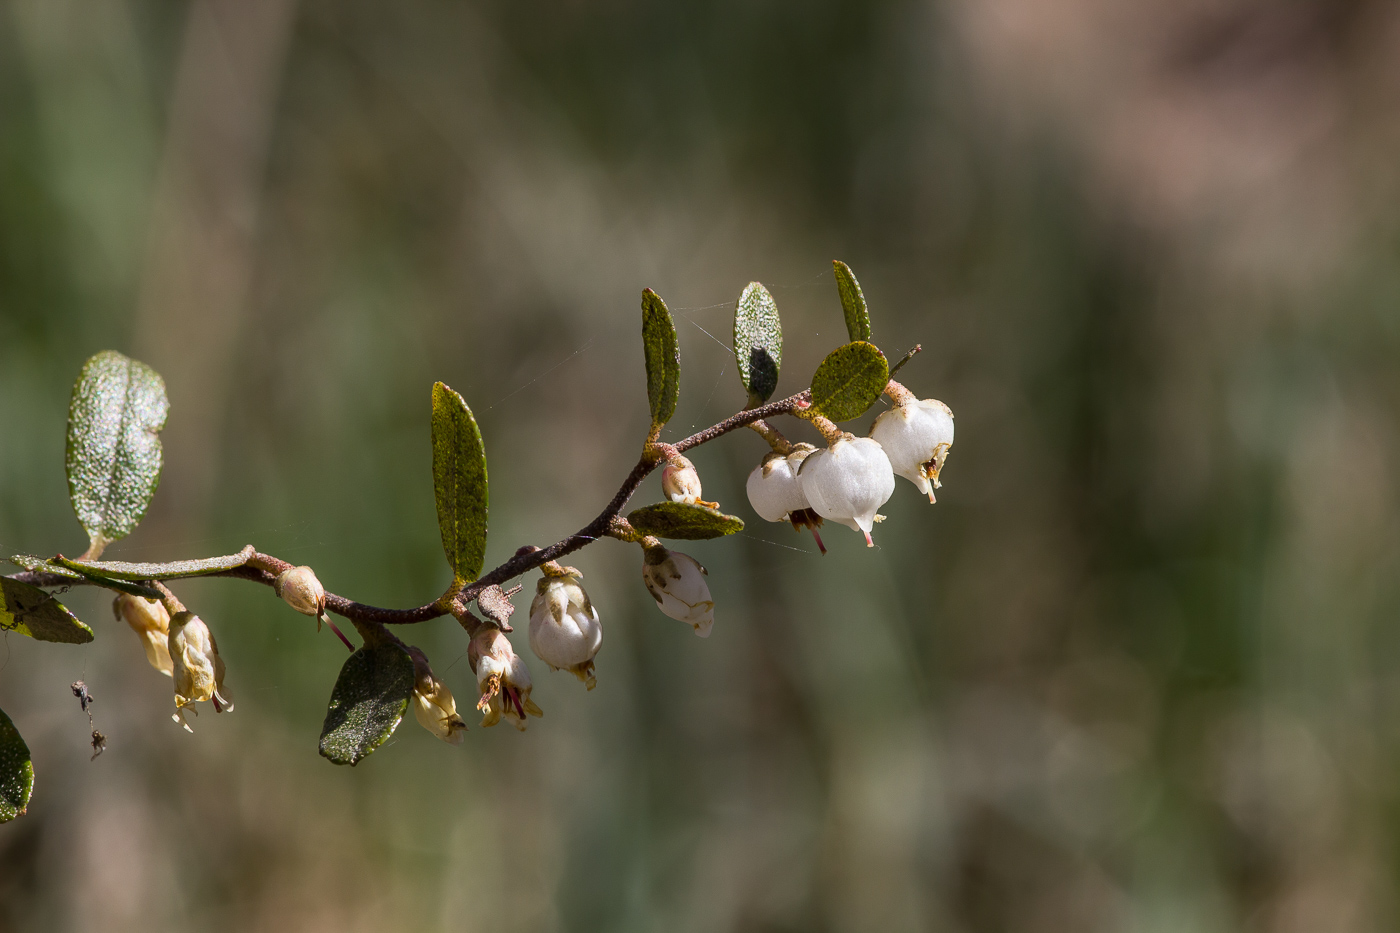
(677, 582)
(433, 703)
(198, 669)
(916, 436)
(147, 618)
(564, 628)
(848, 482)
(502, 679)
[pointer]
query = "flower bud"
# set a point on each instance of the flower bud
(300, 589)
(564, 628)
(681, 483)
(197, 668)
(917, 436)
(147, 618)
(502, 679)
(848, 482)
(677, 582)
(433, 703)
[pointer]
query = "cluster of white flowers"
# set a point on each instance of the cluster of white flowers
(850, 480)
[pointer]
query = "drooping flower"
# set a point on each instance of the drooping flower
(564, 628)
(677, 582)
(848, 482)
(916, 436)
(502, 680)
(433, 703)
(775, 492)
(197, 668)
(148, 618)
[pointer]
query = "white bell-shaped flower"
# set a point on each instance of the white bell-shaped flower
(917, 436)
(773, 488)
(433, 703)
(564, 628)
(148, 618)
(848, 482)
(502, 679)
(677, 582)
(198, 669)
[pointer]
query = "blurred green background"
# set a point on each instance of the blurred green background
(1135, 671)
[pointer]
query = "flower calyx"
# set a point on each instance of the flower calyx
(433, 704)
(564, 629)
(677, 582)
(149, 619)
(198, 670)
(502, 680)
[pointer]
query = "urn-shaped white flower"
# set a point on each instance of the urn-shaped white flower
(773, 487)
(564, 628)
(198, 669)
(433, 704)
(502, 679)
(148, 618)
(677, 582)
(848, 482)
(917, 436)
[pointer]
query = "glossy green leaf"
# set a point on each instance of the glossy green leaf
(114, 455)
(852, 302)
(368, 702)
(30, 611)
(16, 771)
(678, 520)
(758, 342)
(174, 570)
(849, 381)
(663, 358)
(459, 482)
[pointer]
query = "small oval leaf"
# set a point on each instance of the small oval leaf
(758, 342)
(849, 381)
(852, 302)
(678, 520)
(460, 484)
(663, 358)
(16, 771)
(114, 455)
(174, 570)
(368, 702)
(30, 611)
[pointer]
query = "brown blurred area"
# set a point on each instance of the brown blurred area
(1135, 671)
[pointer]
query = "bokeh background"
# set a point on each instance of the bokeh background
(1137, 670)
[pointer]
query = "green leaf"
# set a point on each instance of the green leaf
(111, 583)
(30, 611)
(114, 456)
(663, 358)
(174, 570)
(849, 381)
(368, 702)
(852, 302)
(41, 565)
(758, 342)
(16, 771)
(681, 521)
(459, 482)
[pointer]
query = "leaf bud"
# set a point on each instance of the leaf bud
(916, 436)
(197, 668)
(502, 680)
(433, 703)
(564, 629)
(148, 619)
(848, 482)
(677, 582)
